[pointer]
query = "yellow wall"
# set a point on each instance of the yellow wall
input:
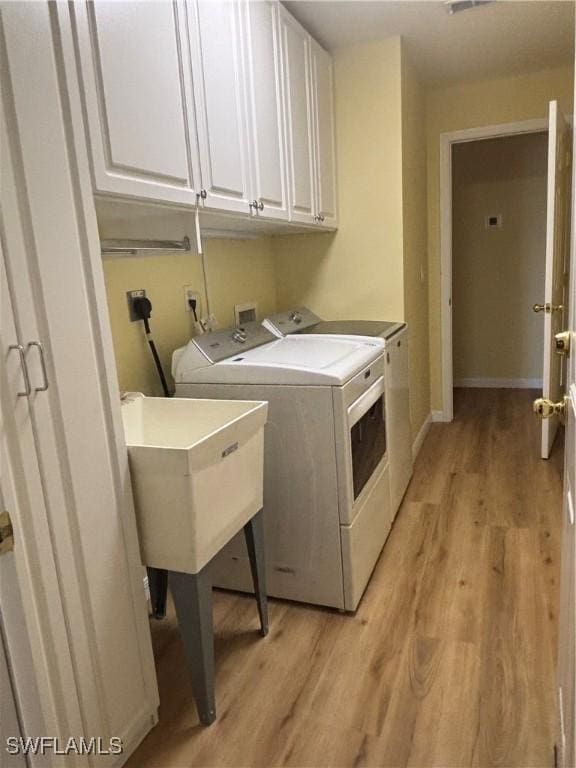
(374, 267)
(357, 273)
(415, 242)
(469, 106)
(239, 271)
(499, 273)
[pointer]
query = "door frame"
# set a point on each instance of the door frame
(447, 140)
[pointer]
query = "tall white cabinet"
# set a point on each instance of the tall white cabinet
(76, 553)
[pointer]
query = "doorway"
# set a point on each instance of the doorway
(499, 193)
(448, 143)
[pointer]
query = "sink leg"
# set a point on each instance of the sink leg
(254, 535)
(158, 586)
(192, 593)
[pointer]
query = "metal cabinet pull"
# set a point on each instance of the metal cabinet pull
(27, 389)
(40, 349)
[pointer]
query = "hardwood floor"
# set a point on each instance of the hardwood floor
(449, 660)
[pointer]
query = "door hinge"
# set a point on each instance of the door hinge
(6, 533)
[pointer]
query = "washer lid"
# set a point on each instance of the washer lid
(302, 321)
(304, 361)
(381, 328)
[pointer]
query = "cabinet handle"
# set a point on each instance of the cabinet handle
(254, 204)
(203, 194)
(40, 349)
(27, 389)
(321, 218)
(387, 357)
(316, 218)
(260, 206)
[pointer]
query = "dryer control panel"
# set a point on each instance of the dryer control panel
(292, 321)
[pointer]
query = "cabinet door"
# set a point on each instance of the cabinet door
(51, 248)
(398, 418)
(295, 46)
(265, 108)
(220, 97)
(135, 76)
(324, 141)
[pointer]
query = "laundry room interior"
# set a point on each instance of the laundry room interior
(314, 259)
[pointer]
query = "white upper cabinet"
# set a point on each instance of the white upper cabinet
(221, 106)
(324, 141)
(309, 117)
(136, 83)
(298, 117)
(226, 102)
(265, 109)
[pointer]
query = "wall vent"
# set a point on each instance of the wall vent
(245, 313)
(455, 6)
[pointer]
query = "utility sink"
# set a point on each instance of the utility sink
(197, 474)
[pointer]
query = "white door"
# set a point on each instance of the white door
(9, 719)
(324, 141)
(32, 625)
(295, 46)
(557, 239)
(135, 75)
(265, 109)
(566, 739)
(220, 96)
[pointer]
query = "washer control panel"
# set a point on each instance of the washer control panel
(220, 345)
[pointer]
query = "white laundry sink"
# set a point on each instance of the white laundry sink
(197, 474)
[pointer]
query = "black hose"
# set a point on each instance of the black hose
(156, 358)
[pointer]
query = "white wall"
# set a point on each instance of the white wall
(498, 274)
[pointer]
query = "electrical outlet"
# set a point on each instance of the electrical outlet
(189, 295)
(130, 296)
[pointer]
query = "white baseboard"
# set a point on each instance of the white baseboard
(500, 383)
(420, 437)
(437, 416)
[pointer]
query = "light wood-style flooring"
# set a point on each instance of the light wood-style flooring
(449, 660)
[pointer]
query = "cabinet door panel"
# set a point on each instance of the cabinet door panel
(136, 80)
(325, 154)
(398, 418)
(297, 86)
(219, 91)
(265, 105)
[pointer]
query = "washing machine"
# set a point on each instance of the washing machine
(301, 321)
(327, 510)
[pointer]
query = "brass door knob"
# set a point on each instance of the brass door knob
(539, 307)
(548, 308)
(545, 408)
(562, 343)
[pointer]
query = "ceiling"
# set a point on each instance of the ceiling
(504, 38)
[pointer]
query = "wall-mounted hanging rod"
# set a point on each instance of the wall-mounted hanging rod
(142, 246)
